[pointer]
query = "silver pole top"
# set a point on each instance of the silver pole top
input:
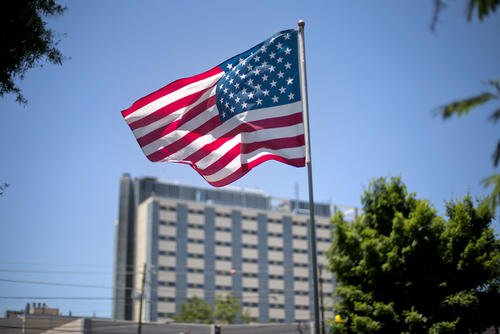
(302, 23)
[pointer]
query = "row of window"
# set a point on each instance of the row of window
(251, 246)
(244, 231)
(249, 231)
(229, 288)
(223, 273)
(245, 260)
(245, 304)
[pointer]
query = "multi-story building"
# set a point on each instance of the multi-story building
(210, 242)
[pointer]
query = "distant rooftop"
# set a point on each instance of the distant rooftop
(232, 196)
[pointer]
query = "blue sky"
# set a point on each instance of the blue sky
(375, 72)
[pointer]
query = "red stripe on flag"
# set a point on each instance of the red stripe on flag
(171, 87)
(299, 162)
(165, 130)
(273, 144)
(185, 140)
(168, 109)
(242, 148)
(268, 123)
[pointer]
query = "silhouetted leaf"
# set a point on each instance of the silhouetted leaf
(462, 107)
(493, 200)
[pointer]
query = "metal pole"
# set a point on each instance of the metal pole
(322, 305)
(139, 326)
(312, 224)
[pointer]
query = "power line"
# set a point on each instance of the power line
(259, 292)
(56, 284)
(58, 298)
(55, 272)
(78, 265)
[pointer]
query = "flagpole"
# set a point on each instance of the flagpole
(312, 224)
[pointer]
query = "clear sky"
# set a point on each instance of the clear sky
(375, 72)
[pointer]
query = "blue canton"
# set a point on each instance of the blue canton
(265, 76)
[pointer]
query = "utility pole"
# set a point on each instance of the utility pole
(322, 306)
(139, 326)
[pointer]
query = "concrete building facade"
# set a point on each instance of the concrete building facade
(210, 242)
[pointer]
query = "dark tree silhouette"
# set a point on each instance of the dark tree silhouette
(26, 41)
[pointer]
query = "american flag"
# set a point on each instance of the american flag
(229, 119)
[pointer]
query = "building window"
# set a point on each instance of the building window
(250, 275)
(167, 253)
(195, 241)
(164, 283)
(165, 268)
(301, 279)
(276, 277)
(223, 243)
(167, 238)
(195, 256)
(167, 223)
(247, 260)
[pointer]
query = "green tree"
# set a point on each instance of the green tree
(25, 40)
(195, 311)
(401, 268)
(228, 310)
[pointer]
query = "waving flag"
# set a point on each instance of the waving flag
(229, 119)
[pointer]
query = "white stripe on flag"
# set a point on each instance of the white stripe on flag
(251, 116)
(141, 132)
(236, 163)
(172, 97)
(250, 137)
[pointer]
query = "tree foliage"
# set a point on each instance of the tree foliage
(401, 268)
(461, 107)
(483, 8)
(227, 310)
(195, 311)
(465, 106)
(26, 41)
(3, 187)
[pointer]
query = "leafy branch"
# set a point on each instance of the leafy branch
(3, 187)
(465, 106)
